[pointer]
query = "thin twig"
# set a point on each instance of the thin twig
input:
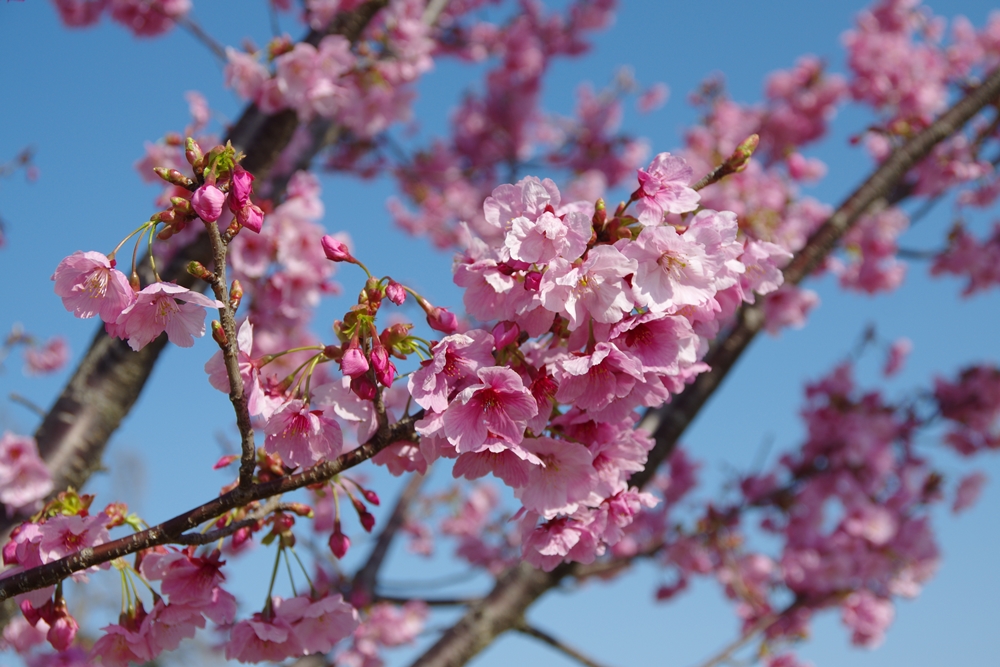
(28, 403)
(196, 31)
(555, 643)
(430, 602)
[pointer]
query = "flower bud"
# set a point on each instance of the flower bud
(370, 496)
(532, 280)
(367, 520)
(219, 334)
(198, 270)
(251, 217)
(339, 543)
(207, 202)
(240, 188)
(505, 333)
(173, 177)
(235, 295)
(335, 250)
(363, 387)
(395, 292)
(353, 363)
(385, 370)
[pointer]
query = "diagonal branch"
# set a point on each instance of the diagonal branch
(173, 530)
(520, 586)
(556, 643)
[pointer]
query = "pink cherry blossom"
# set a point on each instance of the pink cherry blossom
(596, 288)
(156, 309)
(492, 412)
(48, 358)
(663, 188)
(261, 639)
(249, 371)
(24, 477)
(968, 491)
(88, 286)
(565, 477)
(454, 364)
(319, 624)
(302, 436)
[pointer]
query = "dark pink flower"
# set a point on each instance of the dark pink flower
(207, 202)
(335, 250)
(301, 436)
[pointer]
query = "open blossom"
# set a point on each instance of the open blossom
(319, 624)
(263, 640)
(663, 188)
(596, 287)
(156, 309)
(541, 240)
(454, 364)
(24, 477)
(493, 412)
(302, 436)
(88, 286)
(249, 370)
(565, 477)
(48, 358)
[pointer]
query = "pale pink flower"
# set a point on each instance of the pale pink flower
(88, 286)
(663, 188)
(653, 97)
(319, 624)
(249, 370)
(898, 352)
(24, 477)
(594, 382)
(168, 624)
(120, 646)
(968, 491)
(868, 617)
(541, 240)
(453, 366)
(244, 74)
(48, 358)
(148, 17)
(596, 288)
(302, 436)
(156, 309)
(63, 535)
(565, 477)
(493, 412)
(263, 640)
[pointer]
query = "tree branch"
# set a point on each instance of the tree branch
(173, 530)
(555, 643)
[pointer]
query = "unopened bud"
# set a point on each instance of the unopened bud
(339, 543)
(207, 202)
(235, 295)
(740, 158)
(505, 333)
(301, 509)
(335, 250)
(367, 521)
(173, 177)
(363, 387)
(395, 292)
(370, 496)
(198, 270)
(219, 334)
(193, 154)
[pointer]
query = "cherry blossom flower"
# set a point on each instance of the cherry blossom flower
(89, 285)
(663, 188)
(261, 639)
(454, 364)
(24, 477)
(302, 436)
(156, 309)
(564, 477)
(257, 402)
(595, 288)
(48, 358)
(493, 412)
(207, 202)
(319, 624)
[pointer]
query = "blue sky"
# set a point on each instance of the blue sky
(87, 100)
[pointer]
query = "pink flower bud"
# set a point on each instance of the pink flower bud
(251, 217)
(370, 496)
(353, 363)
(395, 292)
(240, 188)
(532, 280)
(385, 370)
(339, 543)
(207, 202)
(367, 521)
(225, 461)
(441, 320)
(335, 250)
(363, 387)
(505, 333)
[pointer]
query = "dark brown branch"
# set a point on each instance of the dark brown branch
(555, 643)
(430, 602)
(518, 588)
(169, 531)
